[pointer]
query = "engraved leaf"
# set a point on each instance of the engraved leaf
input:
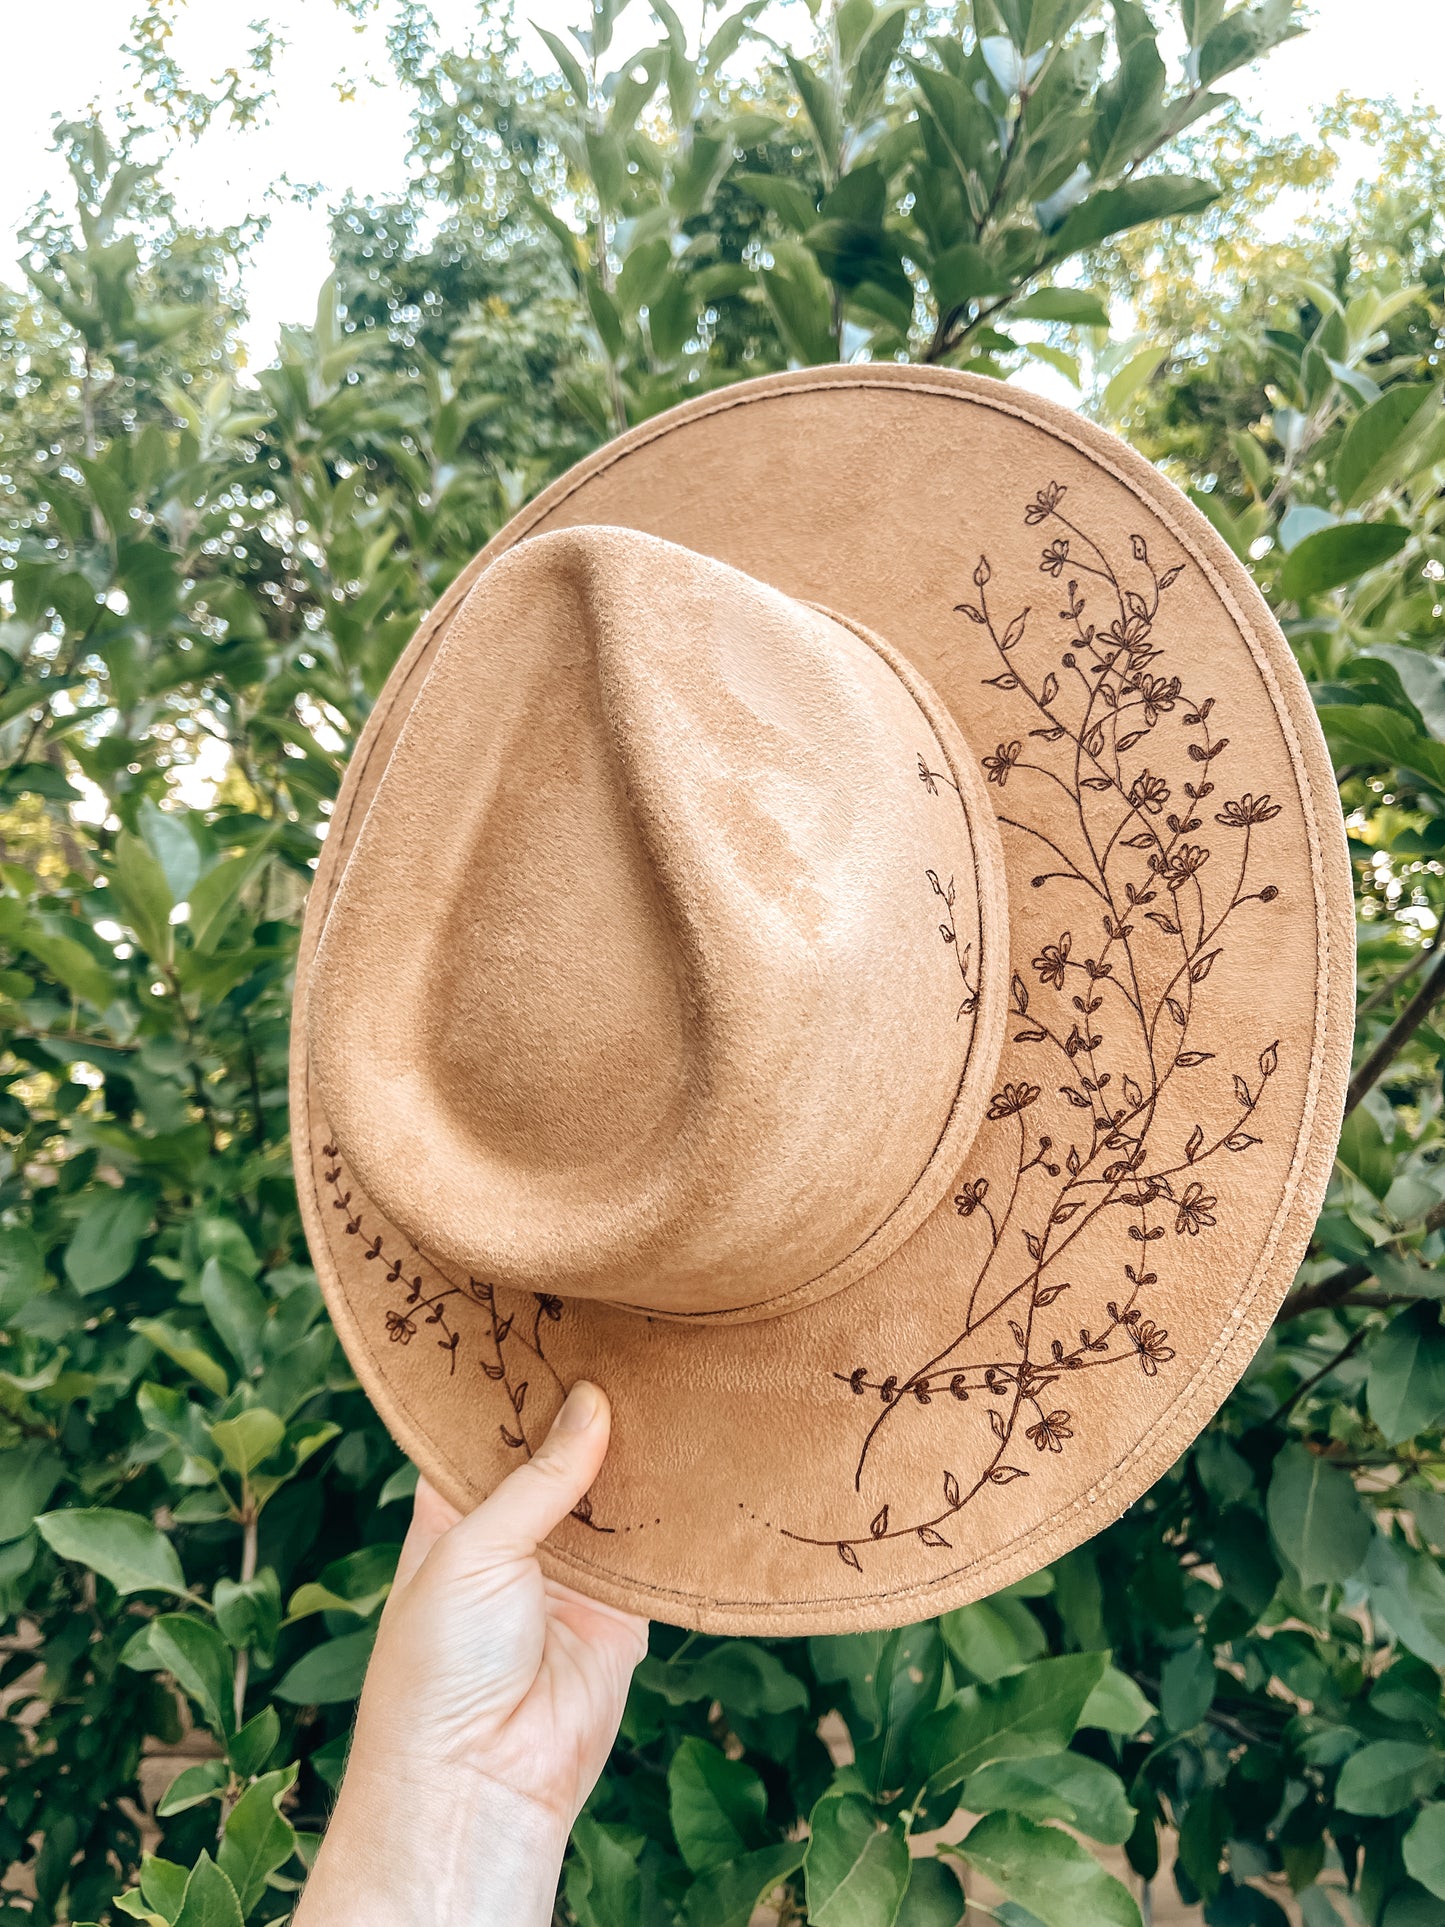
(1021, 995)
(1187, 1059)
(519, 1398)
(878, 1525)
(1000, 682)
(967, 609)
(1177, 1011)
(509, 1438)
(1269, 1060)
(1035, 1249)
(848, 1556)
(1050, 1293)
(1240, 1141)
(950, 1489)
(998, 1425)
(1063, 1212)
(1202, 966)
(494, 1371)
(1015, 630)
(1050, 689)
(1193, 1147)
(1006, 1474)
(930, 1537)
(1018, 1333)
(1166, 924)
(1241, 1091)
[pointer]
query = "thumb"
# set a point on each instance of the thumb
(535, 1498)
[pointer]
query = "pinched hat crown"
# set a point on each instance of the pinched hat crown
(621, 995)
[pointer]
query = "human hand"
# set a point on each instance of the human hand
(491, 1701)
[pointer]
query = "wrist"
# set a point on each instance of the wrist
(416, 1848)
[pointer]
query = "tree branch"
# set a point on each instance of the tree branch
(1379, 1059)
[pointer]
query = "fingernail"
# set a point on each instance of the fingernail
(580, 1408)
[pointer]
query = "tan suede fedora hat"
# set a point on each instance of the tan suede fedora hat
(839, 929)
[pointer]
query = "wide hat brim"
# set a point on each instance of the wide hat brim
(1168, 1097)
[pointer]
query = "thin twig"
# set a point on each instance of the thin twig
(1379, 1058)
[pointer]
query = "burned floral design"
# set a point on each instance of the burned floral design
(1118, 1020)
(439, 1303)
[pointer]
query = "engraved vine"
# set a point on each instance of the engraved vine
(421, 1304)
(1116, 1017)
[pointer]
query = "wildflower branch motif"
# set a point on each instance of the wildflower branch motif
(1115, 798)
(948, 930)
(427, 1305)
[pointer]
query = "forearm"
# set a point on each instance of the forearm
(402, 1853)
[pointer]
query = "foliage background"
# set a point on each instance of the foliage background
(199, 1513)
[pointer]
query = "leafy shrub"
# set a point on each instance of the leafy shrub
(205, 583)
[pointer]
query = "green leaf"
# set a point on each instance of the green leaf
(167, 835)
(193, 1786)
(1033, 1711)
(856, 1865)
(603, 1885)
(1424, 1848)
(1044, 1870)
(1186, 1687)
(1422, 678)
(1371, 733)
(185, 1351)
(193, 1652)
(248, 1611)
(745, 1677)
(1055, 1786)
(964, 273)
(1374, 452)
(248, 1438)
(329, 1674)
(143, 896)
(163, 1884)
(1388, 1775)
(568, 64)
(121, 1546)
(1316, 1517)
(103, 1246)
(1407, 1594)
(718, 1806)
(210, 1898)
(22, 1270)
(1363, 1150)
(801, 304)
(993, 1637)
(258, 1838)
(249, 1749)
(934, 1897)
(1079, 307)
(788, 199)
(729, 1896)
(1332, 557)
(236, 1307)
(819, 105)
(1126, 381)
(1406, 1386)
(215, 896)
(1112, 210)
(356, 1584)
(1117, 1705)
(29, 1473)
